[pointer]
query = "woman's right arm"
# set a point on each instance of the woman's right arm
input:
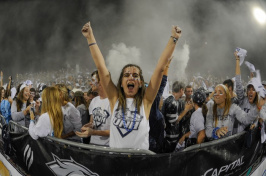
(42, 128)
(98, 59)
(239, 88)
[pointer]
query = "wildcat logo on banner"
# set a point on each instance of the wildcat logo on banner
(68, 167)
(28, 156)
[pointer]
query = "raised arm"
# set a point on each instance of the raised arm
(1, 84)
(98, 59)
(239, 88)
(156, 78)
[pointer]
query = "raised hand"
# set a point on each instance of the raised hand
(87, 30)
(176, 32)
(236, 56)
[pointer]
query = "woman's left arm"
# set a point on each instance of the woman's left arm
(156, 78)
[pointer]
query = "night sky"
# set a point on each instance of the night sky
(46, 35)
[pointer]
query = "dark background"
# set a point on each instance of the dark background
(38, 36)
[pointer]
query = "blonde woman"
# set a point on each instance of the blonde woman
(72, 118)
(51, 120)
(222, 114)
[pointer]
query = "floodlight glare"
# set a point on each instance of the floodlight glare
(259, 15)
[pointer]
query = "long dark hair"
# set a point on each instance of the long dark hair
(1, 89)
(121, 94)
(19, 100)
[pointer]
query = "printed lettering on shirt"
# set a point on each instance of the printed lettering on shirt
(99, 116)
(223, 117)
(246, 110)
(129, 121)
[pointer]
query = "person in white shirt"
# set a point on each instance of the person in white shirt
(50, 123)
(100, 117)
(130, 102)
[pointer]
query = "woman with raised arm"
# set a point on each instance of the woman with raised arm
(249, 101)
(222, 114)
(130, 103)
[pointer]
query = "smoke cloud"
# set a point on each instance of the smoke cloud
(45, 35)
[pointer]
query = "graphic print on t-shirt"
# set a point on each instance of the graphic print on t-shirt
(129, 121)
(99, 116)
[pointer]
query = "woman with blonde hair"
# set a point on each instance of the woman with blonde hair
(51, 120)
(222, 114)
(72, 118)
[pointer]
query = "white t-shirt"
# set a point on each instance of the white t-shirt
(101, 112)
(196, 123)
(42, 128)
(138, 137)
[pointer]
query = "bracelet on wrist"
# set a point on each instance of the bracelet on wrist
(174, 39)
(214, 135)
(32, 121)
(92, 44)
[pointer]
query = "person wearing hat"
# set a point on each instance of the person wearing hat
(20, 108)
(28, 83)
(197, 121)
(248, 102)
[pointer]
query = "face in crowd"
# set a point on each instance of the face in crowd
(188, 93)
(131, 81)
(86, 96)
(32, 95)
(251, 93)
(94, 83)
(219, 95)
(26, 93)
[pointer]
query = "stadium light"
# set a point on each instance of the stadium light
(259, 15)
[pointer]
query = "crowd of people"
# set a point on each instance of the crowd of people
(90, 108)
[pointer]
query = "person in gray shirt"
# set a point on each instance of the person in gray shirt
(196, 134)
(220, 118)
(246, 103)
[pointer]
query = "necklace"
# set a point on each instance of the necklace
(134, 120)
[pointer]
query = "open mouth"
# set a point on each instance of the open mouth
(130, 86)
